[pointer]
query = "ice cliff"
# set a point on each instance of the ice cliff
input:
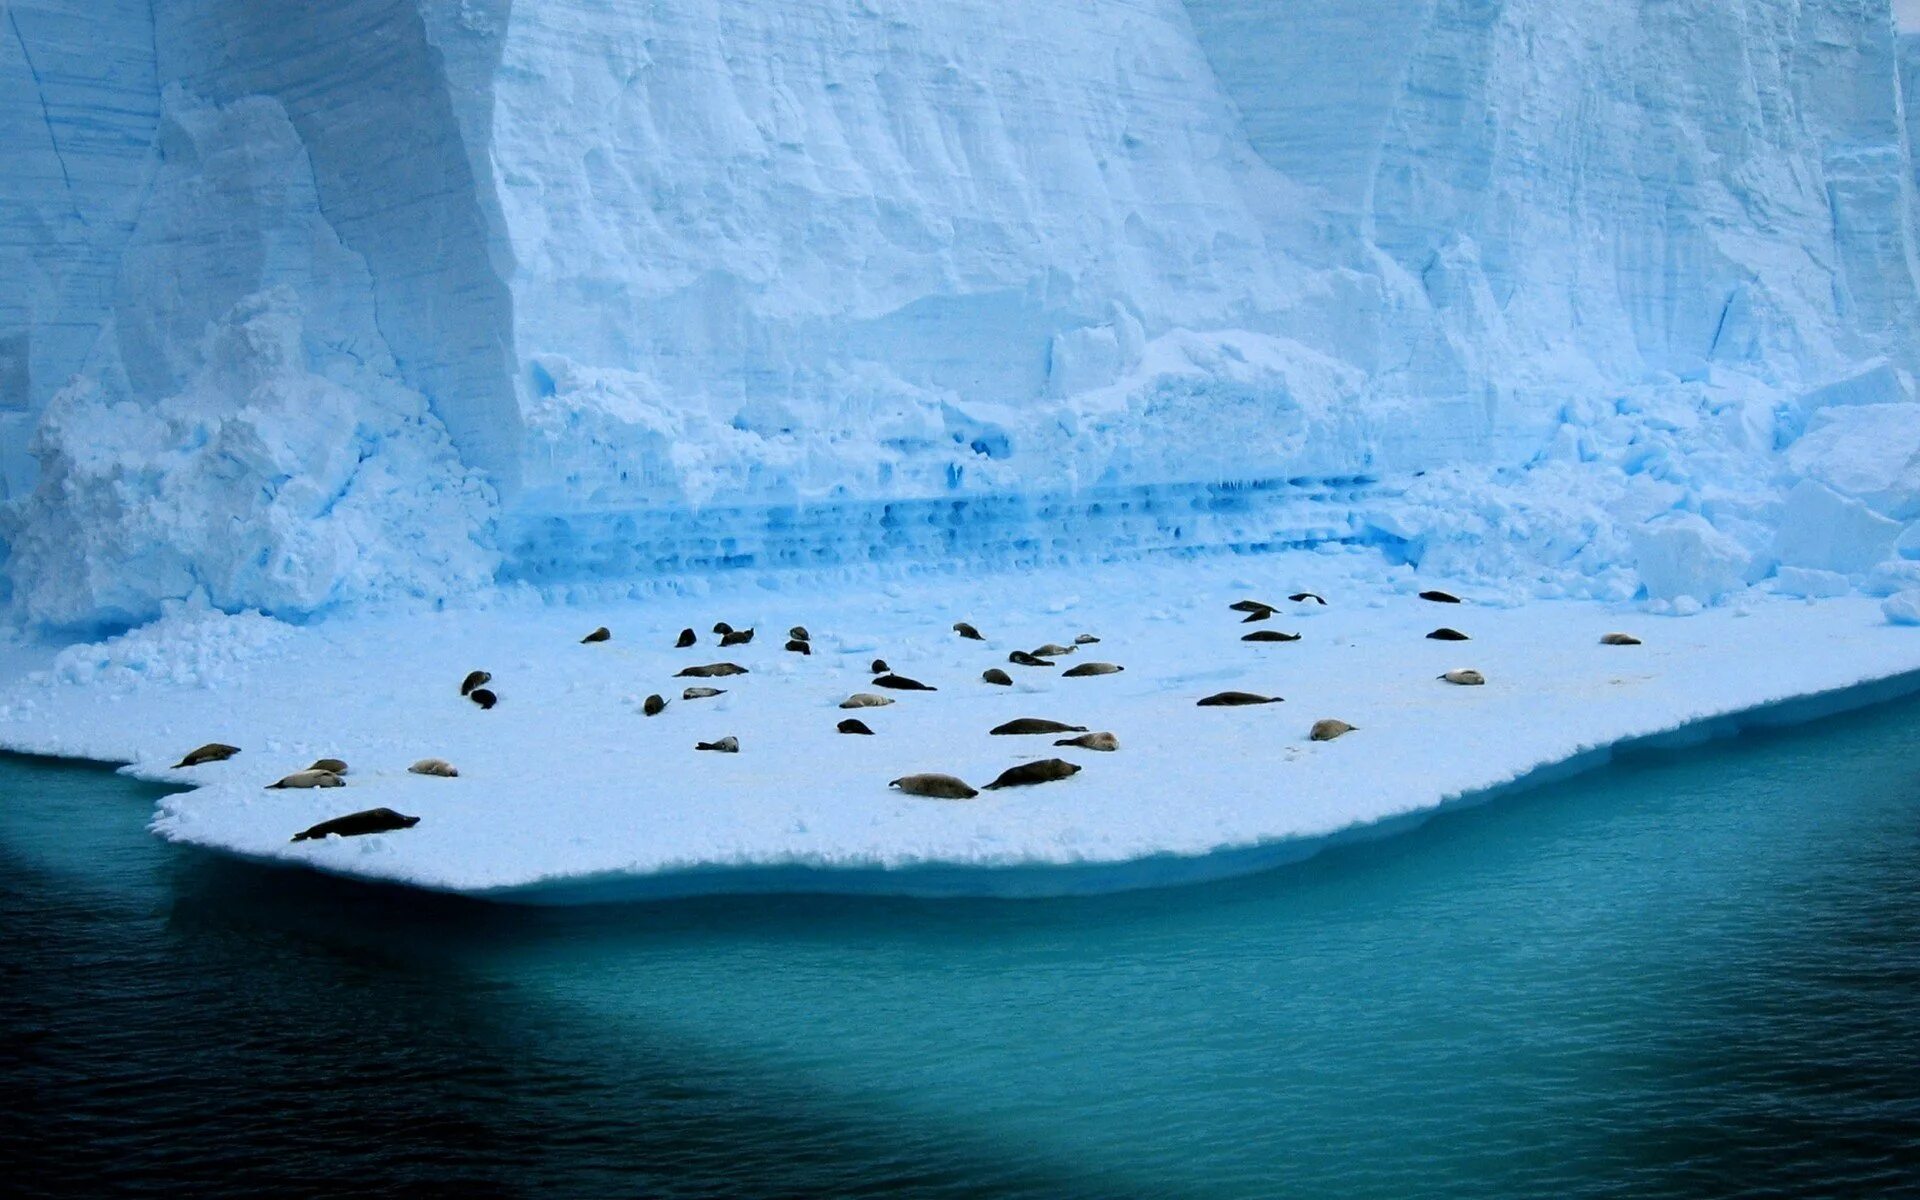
(304, 305)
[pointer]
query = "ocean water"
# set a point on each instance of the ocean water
(1695, 973)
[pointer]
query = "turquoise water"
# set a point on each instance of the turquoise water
(1696, 973)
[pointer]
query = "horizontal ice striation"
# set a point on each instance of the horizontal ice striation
(841, 281)
(1260, 516)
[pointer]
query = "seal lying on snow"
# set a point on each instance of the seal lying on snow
(1092, 741)
(939, 787)
(337, 765)
(1029, 725)
(1237, 699)
(1045, 771)
(374, 820)
(1326, 731)
(310, 779)
(211, 752)
(434, 766)
(1270, 635)
(1087, 669)
(1444, 634)
(711, 671)
(473, 680)
(1465, 677)
(1619, 639)
(599, 635)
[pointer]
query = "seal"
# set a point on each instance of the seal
(800, 646)
(900, 683)
(473, 680)
(1439, 597)
(1092, 741)
(373, 820)
(1087, 669)
(1444, 634)
(1026, 774)
(879, 667)
(865, 700)
(1265, 614)
(1237, 699)
(687, 638)
(701, 693)
(337, 766)
(310, 779)
(654, 705)
(967, 631)
(1326, 731)
(211, 752)
(1020, 658)
(938, 787)
(726, 745)
(721, 628)
(1270, 635)
(599, 635)
(483, 697)
(1307, 597)
(738, 637)
(719, 670)
(1619, 639)
(799, 634)
(1465, 677)
(1021, 726)
(996, 675)
(852, 726)
(1085, 639)
(1250, 606)
(434, 766)
(1052, 650)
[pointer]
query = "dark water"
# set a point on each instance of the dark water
(1695, 974)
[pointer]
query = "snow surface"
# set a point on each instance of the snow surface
(567, 792)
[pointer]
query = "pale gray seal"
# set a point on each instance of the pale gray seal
(701, 693)
(939, 787)
(1092, 741)
(1052, 650)
(865, 700)
(310, 779)
(434, 766)
(726, 745)
(1465, 677)
(1086, 669)
(1326, 731)
(374, 820)
(1085, 639)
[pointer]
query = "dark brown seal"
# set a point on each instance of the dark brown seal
(373, 820)
(599, 635)
(483, 697)
(711, 671)
(1237, 699)
(1022, 726)
(473, 680)
(1045, 771)
(211, 752)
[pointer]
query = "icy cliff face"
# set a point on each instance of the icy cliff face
(720, 282)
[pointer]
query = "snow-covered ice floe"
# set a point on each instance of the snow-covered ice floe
(568, 793)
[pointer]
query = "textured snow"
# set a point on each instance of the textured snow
(696, 286)
(566, 788)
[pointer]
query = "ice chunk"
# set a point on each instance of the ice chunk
(1682, 555)
(1829, 532)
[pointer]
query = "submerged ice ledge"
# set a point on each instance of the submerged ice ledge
(568, 794)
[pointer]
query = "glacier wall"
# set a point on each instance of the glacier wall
(599, 291)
